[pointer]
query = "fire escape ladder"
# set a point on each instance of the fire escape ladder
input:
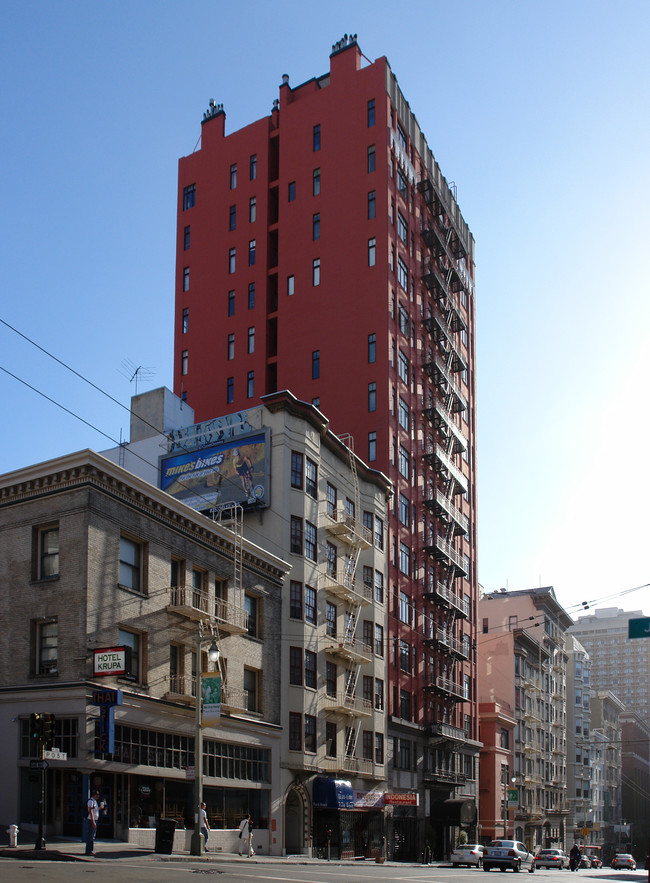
(351, 739)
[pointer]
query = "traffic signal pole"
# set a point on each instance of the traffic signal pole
(40, 841)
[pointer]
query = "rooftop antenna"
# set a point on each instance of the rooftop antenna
(134, 372)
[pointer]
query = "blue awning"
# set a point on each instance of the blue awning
(332, 794)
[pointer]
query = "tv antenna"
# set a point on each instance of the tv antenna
(134, 372)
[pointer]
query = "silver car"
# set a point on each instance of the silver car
(469, 854)
(505, 854)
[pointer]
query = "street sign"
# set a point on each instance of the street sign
(638, 628)
(584, 831)
(38, 764)
(55, 754)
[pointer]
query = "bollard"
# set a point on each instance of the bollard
(12, 830)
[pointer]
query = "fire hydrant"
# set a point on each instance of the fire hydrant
(12, 830)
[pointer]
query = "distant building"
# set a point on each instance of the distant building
(606, 732)
(635, 779)
(321, 250)
(497, 780)
(522, 661)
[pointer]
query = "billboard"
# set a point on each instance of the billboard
(213, 476)
(211, 690)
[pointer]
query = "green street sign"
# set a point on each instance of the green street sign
(639, 628)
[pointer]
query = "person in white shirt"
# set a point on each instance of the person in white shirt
(246, 834)
(205, 827)
(91, 826)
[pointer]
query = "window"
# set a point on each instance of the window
(379, 694)
(232, 217)
(403, 367)
(372, 204)
(310, 733)
(252, 210)
(402, 274)
(379, 532)
(251, 339)
(231, 346)
(402, 227)
(404, 559)
(372, 446)
(379, 639)
(130, 564)
(252, 689)
(232, 255)
(379, 747)
(371, 158)
(251, 295)
(405, 656)
(251, 606)
(330, 619)
(252, 168)
(330, 678)
(316, 138)
(295, 599)
(295, 731)
(372, 396)
(47, 552)
(367, 688)
(47, 647)
(231, 303)
(405, 708)
(186, 321)
(251, 252)
(368, 523)
(250, 384)
(371, 113)
(291, 281)
(315, 365)
(316, 182)
(315, 226)
(296, 535)
(295, 666)
(367, 746)
(291, 191)
(372, 348)
(296, 469)
(189, 197)
(186, 238)
(405, 609)
(311, 478)
(331, 496)
(310, 541)
(404, 462)
(379, 587)
(315, 272)
(372, 252)
(233, 176)
(230, 390)
(310, 669)
(403, 414)
(330, 739)
(131, 640)
(368, 627)
(330, 556)
(310, 604)
(186, 278)
(401, 183)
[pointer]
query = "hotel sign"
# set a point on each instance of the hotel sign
(109, 661)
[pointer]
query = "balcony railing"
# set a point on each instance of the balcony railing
(442, 594)
(441, 638)
(440, 503)
(345, 526)
(443, 420)
(447, 732)
(442, 550)
(347, 588)
(440, 774)
(441, 460)
(348, 704)
(351, 649)
(233, 700)
(230, 617)
(189, 602)
(447, 688)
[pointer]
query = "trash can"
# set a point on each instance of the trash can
(165, 836)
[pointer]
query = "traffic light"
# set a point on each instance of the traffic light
(35, 726)
(47, 730)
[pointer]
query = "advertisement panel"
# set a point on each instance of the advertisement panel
(211, 689)
(235, 471)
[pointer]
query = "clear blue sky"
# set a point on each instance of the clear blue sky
(539, 112)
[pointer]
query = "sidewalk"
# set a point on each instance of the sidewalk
(114, 850)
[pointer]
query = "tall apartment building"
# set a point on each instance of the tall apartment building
(321, 250)
(282, 479)
(606, 710)
(583, 754)
(618, 663)
(523, 663)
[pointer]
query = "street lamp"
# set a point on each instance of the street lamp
(213, 656)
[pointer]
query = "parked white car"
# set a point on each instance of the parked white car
(469, 854)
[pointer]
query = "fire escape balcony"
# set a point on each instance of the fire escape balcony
(443, 464)
(181, 689)
(444, 641)
(230, 617)
(189, 602)
(441, 376)
(441, 504)
(443, 595)
(442, 550)
(233, 700)
(350, 649)
(441, 732)
(344, 703)
(346, 527)
(347, 588)
(443, 336)
(446, 688)
(441, 774)
(443, 420)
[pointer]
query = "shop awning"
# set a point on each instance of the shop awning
(332, 793)
(454, 812)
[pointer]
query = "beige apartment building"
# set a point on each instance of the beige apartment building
(97, 564)
(300, 492)
(523, 663)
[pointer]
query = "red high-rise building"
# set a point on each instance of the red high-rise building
(321, 250)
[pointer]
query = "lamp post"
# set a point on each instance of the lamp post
(196, 846)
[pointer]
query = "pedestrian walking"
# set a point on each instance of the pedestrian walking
(205, 827)
(246, 836)
(91, 826)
